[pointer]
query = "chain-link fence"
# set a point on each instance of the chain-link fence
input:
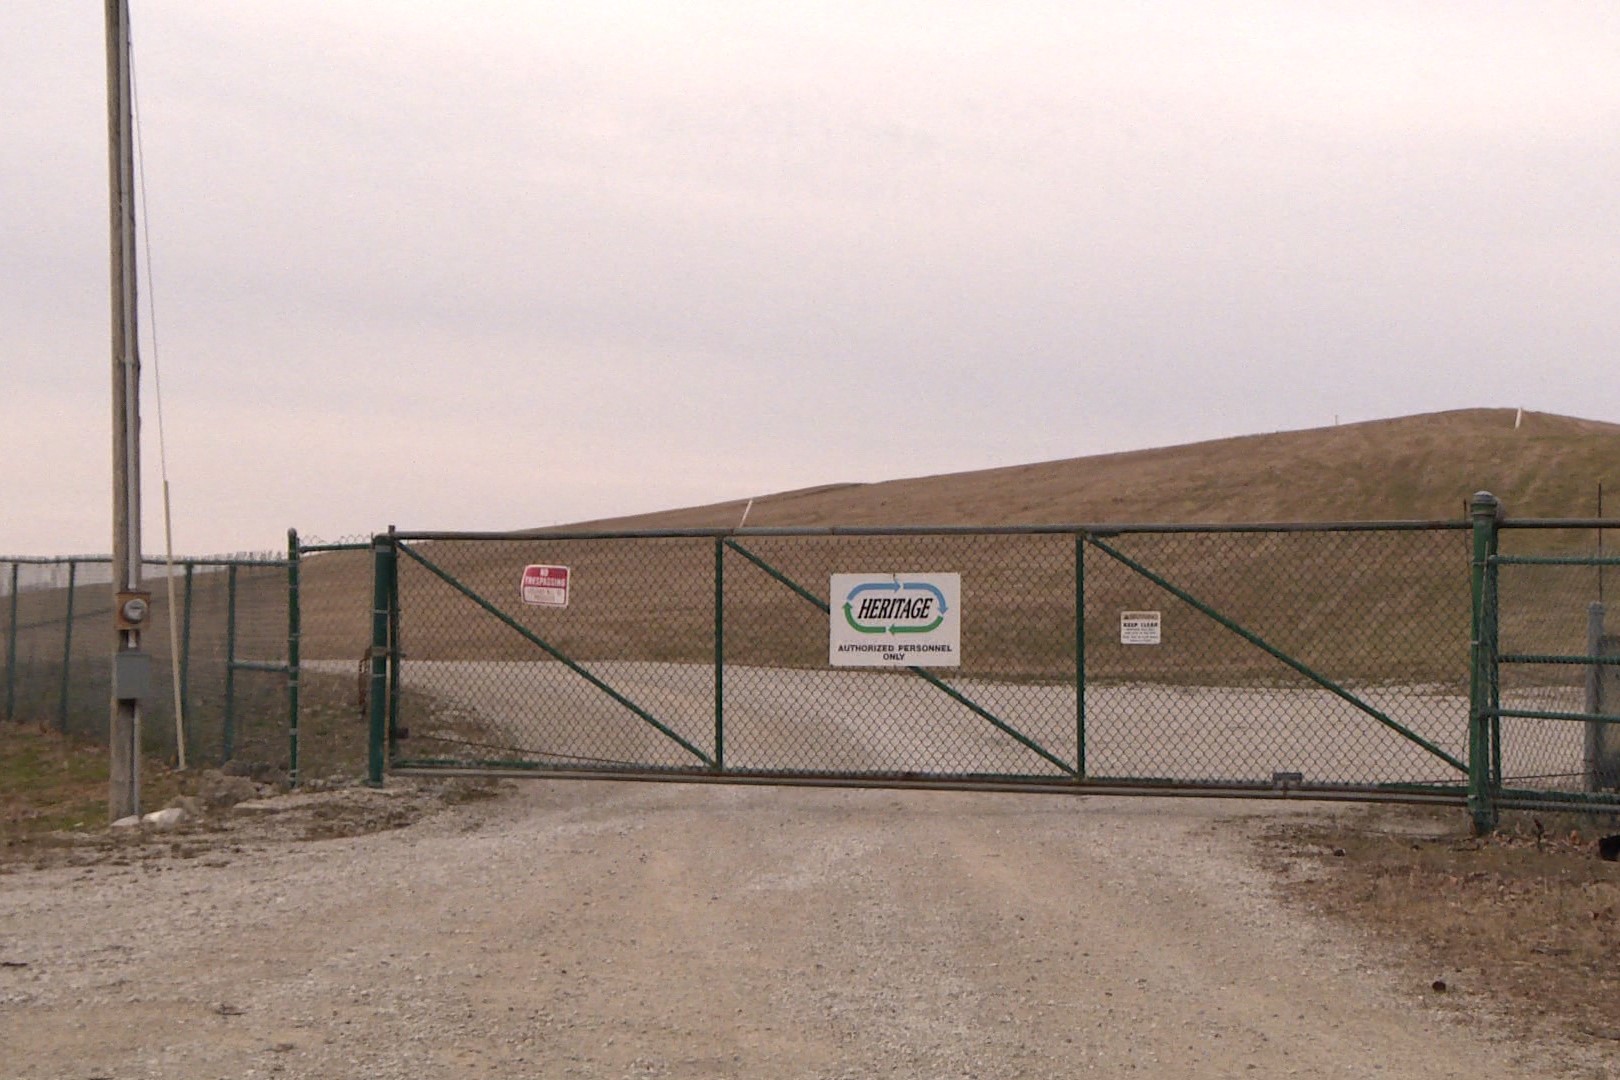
(331, 597)
(1434, 660)
(223, 658)
(229, 659)
(1558, 657)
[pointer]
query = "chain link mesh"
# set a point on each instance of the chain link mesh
(1320, 657)
(58, 634)
(1380, 617)
(1545, 621)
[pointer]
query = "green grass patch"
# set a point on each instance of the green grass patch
(51, 782)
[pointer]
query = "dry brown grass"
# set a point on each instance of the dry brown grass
(1529, 916)
(1414, 467)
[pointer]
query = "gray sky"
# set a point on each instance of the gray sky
(508, 264)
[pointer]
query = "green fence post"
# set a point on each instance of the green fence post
(228, 736)
(1483, 509)
(1494, 674)
(292, 657)
(719, 654)
(1080, 655)
(11, 650)
(185, 665)
(67, 651)
(394, 647)
(381, 571)
(1592, 764)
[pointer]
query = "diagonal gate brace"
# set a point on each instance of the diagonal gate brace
(1265, 646)
(922, 673)
(556, 654)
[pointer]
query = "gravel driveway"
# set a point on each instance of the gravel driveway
(623, 930)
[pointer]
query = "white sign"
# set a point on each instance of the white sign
(546, 586)
(895, 620)
(1139, 628)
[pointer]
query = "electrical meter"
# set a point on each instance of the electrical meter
(132, 609)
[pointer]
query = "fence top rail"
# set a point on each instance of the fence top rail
(1103, 530)
(149, 560)
(1558, 523)
(270, 561)
(1554, 560)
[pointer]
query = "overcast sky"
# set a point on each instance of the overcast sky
(506, 264)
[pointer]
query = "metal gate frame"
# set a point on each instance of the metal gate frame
(1479, 784)
(1488, 795)
(1076, 771)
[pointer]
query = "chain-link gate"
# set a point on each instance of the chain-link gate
(1306, 659)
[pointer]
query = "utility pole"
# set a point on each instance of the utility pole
(130, 669)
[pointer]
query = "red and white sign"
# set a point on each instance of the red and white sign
(546, 586)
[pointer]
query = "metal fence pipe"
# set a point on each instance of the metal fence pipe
(1559, 523)
(1493, 613)
(719, 654)
(381, 555)
(67, 651)
(1600, 719)
(1592, 741)
(1417, 796)
(395, 648)
(1556, 560)
(1080, 655)
(1483, 510)
(1095, 529)
(1589, 660)
(185, 658)
(292, 656)
(11, 651)
(269, 667)
(228, 735)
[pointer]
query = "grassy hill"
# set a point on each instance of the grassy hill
(1414, 467)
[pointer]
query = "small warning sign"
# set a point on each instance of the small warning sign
(1139, 628)
(545, 586)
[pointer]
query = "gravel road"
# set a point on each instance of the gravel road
(601, 929)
